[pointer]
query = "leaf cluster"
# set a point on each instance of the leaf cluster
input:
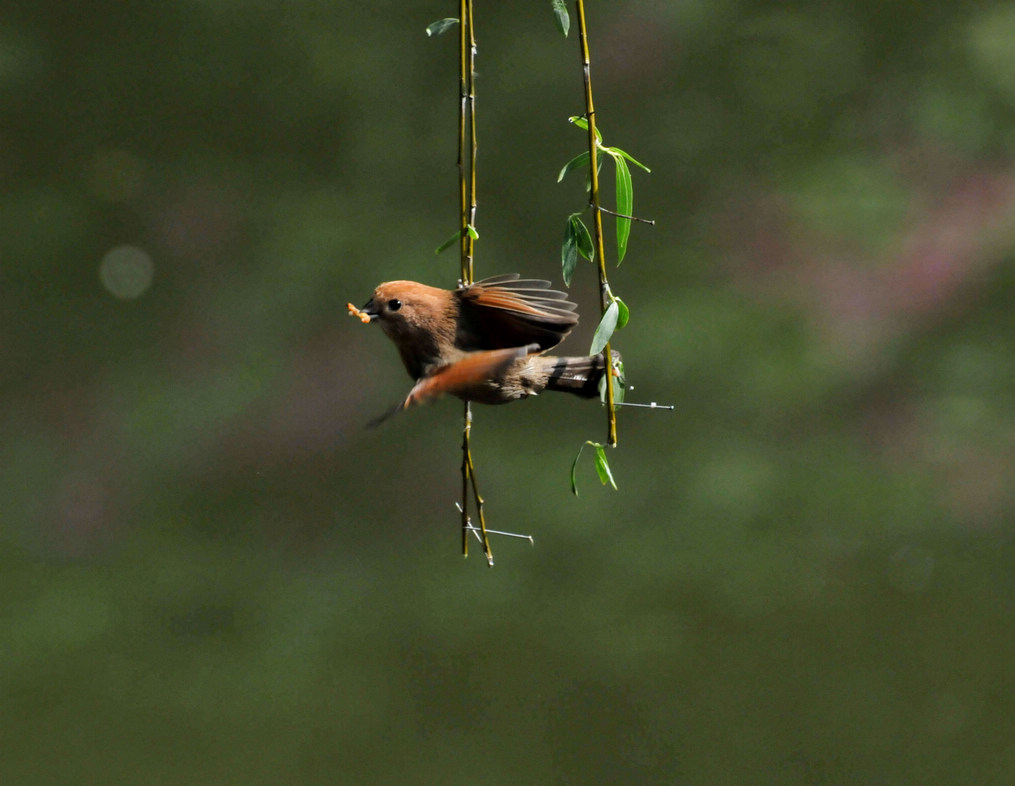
(578, 240)
(602, 466)
(624, 185)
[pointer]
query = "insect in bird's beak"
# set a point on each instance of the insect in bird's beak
(365, 317)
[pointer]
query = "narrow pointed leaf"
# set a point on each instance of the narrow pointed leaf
(579, 161)
(584, 238)
(441, 26)
(624, 315)
(625, 204)
(569, 251)
(561, 15)
(449, 242)
(606, 327)
(630, 158)
(603, 467)
(574, 469)
(583, 123)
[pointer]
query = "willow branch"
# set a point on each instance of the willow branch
(597, 216)
(469, 483)
(467, 204)
(467, 137)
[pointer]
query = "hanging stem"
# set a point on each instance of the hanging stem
(467, 136)
(467, 194)
(469, 480)
(597, 216)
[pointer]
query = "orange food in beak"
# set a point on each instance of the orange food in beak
(362, 316)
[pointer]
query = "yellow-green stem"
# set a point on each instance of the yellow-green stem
(467, 137)
(469, 480)
(597, 216)
(467, 194)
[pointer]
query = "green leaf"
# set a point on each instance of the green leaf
(561, 15)
(580, 160)
(603, 467)
(441, 26)
(576, 240)
(456, 237)
(569, 251)
(574, 468)
(449, 242)
(584, 238)
(630, 158)
(624, 315)
(606, 327)
(625, 204)
(583, 123)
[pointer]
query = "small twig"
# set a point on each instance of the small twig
(653, 405)
(650, 221)
(469, 482)
(475, 530)
(529, 538)
(463, 507)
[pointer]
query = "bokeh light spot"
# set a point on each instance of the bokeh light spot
(126, 272)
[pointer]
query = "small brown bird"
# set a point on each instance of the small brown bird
(482, 342)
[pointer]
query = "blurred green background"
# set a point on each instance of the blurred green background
(212, 573)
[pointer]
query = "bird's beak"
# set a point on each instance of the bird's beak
(366, 314)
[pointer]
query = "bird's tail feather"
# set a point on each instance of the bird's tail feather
(577, 375)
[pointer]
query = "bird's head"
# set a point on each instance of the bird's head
(421, 320)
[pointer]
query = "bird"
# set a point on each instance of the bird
(483, 342)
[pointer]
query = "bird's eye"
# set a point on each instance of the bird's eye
(394, 305)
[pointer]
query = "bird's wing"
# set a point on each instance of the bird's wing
(460, 378)
(508, 311)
